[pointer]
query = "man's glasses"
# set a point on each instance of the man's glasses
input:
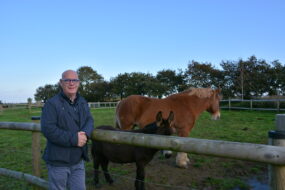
(70, 80)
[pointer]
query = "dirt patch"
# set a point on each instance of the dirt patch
(204, 173)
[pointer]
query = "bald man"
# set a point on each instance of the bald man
(67, 124)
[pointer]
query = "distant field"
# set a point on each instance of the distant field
(240, 126)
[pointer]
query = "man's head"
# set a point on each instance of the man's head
(69, 83)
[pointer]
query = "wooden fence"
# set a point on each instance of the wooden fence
(36, 153)
(271, 154)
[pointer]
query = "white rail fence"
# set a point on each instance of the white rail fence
(271, 154)
(102, 104)
(238, 104)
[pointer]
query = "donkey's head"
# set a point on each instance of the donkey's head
(164, 125)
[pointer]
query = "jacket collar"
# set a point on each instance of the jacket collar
(76, 100)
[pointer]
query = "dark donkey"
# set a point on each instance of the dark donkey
(103, 152)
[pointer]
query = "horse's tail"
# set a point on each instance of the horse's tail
(117, 120)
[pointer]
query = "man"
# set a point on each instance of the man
(67, 124)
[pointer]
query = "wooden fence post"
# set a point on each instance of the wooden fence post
(36, 153)
(277, 138)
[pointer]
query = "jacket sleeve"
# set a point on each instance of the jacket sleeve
(52, 132)
(89, 123)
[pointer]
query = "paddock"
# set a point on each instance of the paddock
(269, 154)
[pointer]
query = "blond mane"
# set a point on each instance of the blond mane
(200, 92)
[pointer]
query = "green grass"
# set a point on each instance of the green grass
(240, 126)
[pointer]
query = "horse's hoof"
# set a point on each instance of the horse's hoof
(182, 165)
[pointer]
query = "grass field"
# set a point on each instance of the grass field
(240, 126)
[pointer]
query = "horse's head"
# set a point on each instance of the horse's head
(214, 107)
(164, 125)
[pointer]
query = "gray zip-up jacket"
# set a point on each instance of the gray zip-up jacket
(60, 122)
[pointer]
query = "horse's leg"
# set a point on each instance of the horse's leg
(104, 165)
(166, 153)
(182, 159)
(139, 183)
(96, 164)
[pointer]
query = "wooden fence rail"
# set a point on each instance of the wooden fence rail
(24, 176)
(274, 155)
(241, 151)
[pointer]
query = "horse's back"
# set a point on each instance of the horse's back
(132, 103)
(140, 110)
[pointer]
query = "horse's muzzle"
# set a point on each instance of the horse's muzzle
(216, 116)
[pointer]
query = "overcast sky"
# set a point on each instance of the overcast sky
(39, 39)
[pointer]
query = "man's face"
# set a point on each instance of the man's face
(70, 83)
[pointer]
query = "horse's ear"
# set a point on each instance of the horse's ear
(159, 118)
(218, 93)
(170, 117)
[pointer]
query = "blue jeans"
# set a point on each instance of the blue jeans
(71, 177)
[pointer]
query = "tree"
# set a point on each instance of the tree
(133, 83)
(88, 77)
(230, 72)
(138, 83)
(254, 75)
(276, 79)
(29, 100)
(119, 85)
(99, 92)
(46, 92)
(203, 75)
(170, 81)
(248, 79)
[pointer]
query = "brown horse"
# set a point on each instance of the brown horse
(187, 106)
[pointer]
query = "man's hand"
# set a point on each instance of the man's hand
(82, 139)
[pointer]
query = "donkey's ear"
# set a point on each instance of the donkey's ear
(159, 118)
(170, 117)
(219, 90)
